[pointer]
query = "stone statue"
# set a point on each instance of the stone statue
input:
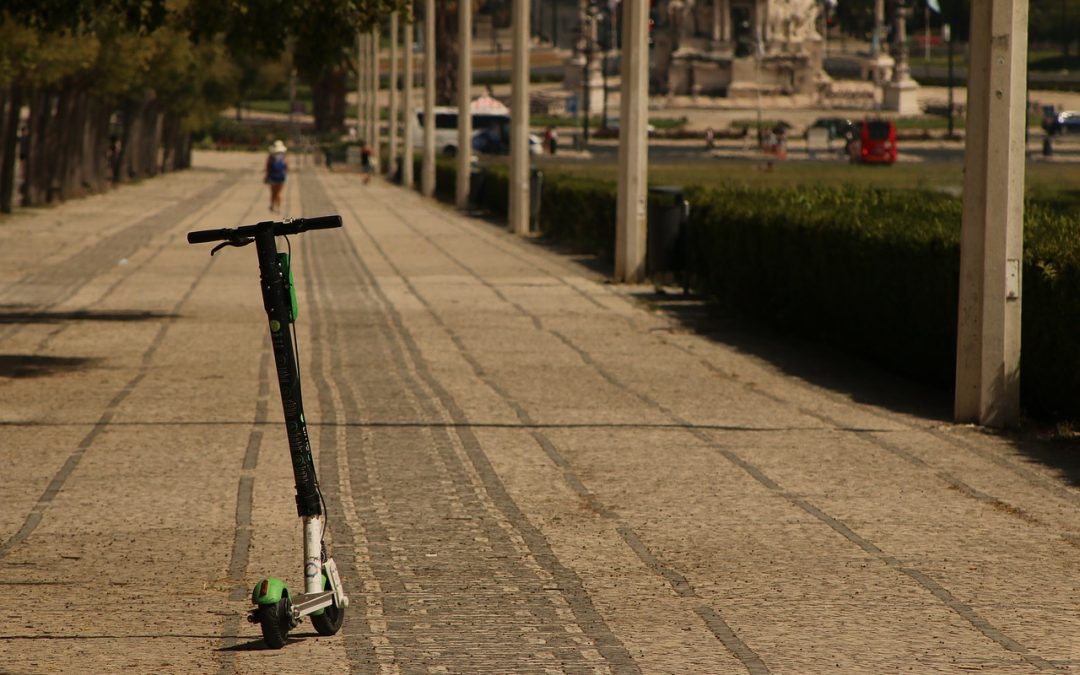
(791, 22)
(681, 20)
(803, 21)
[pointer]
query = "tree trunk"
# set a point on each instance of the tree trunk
(9, 147)
(132, 149)
(328, 95)
(36, 168)
(446, 53)
(92, 159)
(76, 183)
(123, 149)
(98, 169)
(61, 155)
(169, 129)
(183, 150)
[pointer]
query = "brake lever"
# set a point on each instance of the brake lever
(237, 242)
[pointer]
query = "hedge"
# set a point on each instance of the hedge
(873, 271)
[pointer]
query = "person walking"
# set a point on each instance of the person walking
(551, 140)
(365, 162)
(276, 170)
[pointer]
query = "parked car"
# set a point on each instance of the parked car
(836, 126)
(1065, 122)
(876, 142)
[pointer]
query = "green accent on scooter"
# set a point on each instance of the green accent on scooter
(325, 587)
(286, 271)
(269, 591)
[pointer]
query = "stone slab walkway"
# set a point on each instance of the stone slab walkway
(526, 469)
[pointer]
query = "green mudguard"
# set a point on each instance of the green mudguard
(269, 591)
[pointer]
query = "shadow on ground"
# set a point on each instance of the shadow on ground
(22, 365)
(15, 315)
(862, 381)
(811, 362)
(259, 645)
(1040, 443)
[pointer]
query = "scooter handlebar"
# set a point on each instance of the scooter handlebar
(292, 226)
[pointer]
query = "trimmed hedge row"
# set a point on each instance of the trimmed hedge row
(874, 271)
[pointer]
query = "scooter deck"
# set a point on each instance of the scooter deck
(309, 603)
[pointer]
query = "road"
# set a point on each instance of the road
(527, 469)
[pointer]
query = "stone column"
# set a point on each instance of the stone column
(901, 92)
(630, 217)
(407, 105)
(991, 233)
(519, 120)
(391, 166)
(878, 40)
(376, 123)
(361, 72)
(427, 168)
(464, 145)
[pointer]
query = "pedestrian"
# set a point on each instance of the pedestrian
(780, 141)
(276, 169)
(710, 138)
(850, 150)
(550, 140)
(365, 162)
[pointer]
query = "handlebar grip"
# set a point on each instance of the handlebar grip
(321, 223)
(204, 236)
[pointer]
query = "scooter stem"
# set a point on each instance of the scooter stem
(278, 311)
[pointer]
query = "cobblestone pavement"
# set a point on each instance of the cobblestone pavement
(526, 469)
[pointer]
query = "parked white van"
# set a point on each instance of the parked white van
(491, 132)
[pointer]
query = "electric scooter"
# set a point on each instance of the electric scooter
(324, 600)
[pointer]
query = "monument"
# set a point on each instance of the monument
(738, 48)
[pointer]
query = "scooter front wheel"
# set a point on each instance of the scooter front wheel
(329, 621)
(274, 620)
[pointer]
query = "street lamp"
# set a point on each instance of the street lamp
(946, 34)
(588, 27)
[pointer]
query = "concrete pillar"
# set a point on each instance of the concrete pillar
(361, 88)
(630, 217)
(407, 104)
(368, 130)
(376, 122)
(392, 164)
(464, 144)
(991, 236)
(427, 168)
(519, 119)
(725, 18)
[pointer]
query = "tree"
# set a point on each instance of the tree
(78, 64)
(321, 34)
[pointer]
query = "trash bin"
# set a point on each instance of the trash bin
(536, 184)
(666, 250)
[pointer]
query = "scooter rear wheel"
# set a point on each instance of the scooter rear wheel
(274, 620)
